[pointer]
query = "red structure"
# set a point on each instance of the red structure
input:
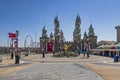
(50, 46)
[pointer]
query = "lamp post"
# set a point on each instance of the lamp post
(17, 55)
(12, 49)
(43, 48)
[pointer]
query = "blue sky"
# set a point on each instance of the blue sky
(29, 17)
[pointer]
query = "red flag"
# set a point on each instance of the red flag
(50, 46)
(12, 35)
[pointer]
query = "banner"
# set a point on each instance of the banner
(12, 35)
(50, 46)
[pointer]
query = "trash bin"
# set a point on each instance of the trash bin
(115, 58)
(26, 53)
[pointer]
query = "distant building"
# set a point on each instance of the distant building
(53, 42)
(103, 42)
(118, 33)
(57, 40)
(58, 35)
(77, 33)
(91, 37)
(77, 30)
(43, 40)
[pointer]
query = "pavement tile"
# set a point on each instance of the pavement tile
(104, 66)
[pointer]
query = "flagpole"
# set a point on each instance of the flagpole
(12, 49)
(8, 45)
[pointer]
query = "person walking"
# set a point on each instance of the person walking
(53, 51)
(86, 49)
(17, 56)
(43, 52)
(11, 53)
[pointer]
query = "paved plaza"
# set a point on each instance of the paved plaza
(34, 67)
(53, 71)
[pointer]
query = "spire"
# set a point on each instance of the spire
(61, 31)
(90, 25)
(78, 21)
(91, 30)
(51, 35)
(56, 21)
(77, 15)
(61, 34)
(44, 32)
(78, 18)
(43, 28)
(56, 33)
(85, 35)
(56, 18)
(77, 30)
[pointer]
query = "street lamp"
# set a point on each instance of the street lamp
(17, 55)
(17, 34)
(43, 48)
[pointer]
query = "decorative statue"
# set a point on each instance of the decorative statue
(66, 48)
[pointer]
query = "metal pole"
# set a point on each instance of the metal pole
(17, 55)
(12, 49)
(44, 49)
(8, 49)
(35, 39)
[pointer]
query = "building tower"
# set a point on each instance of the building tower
(77, 31)
(62, 39)
(44, 33)
(56, 34)
(85, 36)
(51, 35)
(92, 37)
(43, 40)
(118, 33)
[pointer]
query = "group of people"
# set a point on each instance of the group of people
(85, 47)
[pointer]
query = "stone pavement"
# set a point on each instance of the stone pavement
(54, 71)
(34, 67)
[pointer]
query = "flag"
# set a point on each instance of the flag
(50, 46)
(12, 35)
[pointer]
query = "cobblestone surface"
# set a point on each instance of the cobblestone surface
(54, 71)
